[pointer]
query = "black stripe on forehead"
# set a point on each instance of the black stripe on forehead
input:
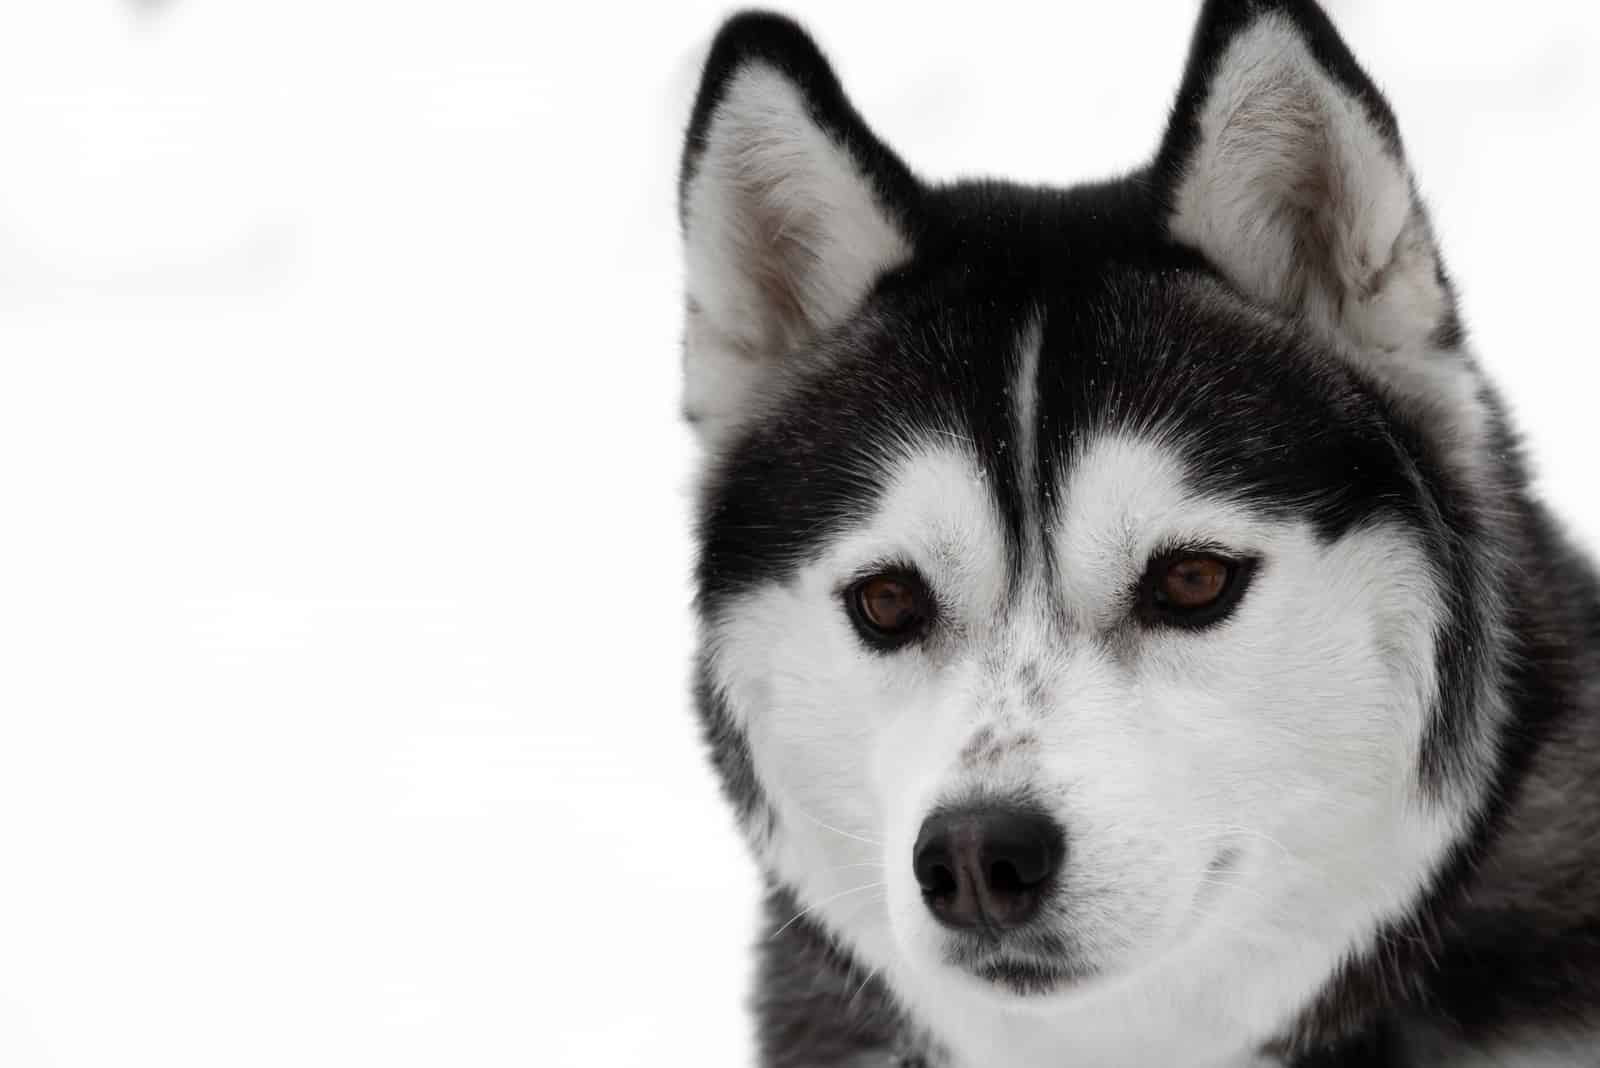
(920, 371)
(1255, 412)
(1137, 337)
(935, 354)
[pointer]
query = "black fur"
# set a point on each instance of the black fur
(816, 1008)
(1264, 417)
(730, 756)
(1266, 413)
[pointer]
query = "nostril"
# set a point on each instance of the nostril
(1005, 879)
(932, 862)
(1024, 865)
(1022, 851)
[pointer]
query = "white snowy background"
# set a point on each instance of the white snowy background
(343, 503)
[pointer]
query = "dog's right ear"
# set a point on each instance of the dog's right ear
(791, 211)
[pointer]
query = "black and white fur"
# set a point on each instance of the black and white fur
(1357, 823)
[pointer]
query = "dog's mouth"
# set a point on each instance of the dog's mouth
(1025, 965)
(1038, 960)
(1028, 978)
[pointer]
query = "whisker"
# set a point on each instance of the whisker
(850, 1002)
(824, 901)
(835, 830)
(842, 867)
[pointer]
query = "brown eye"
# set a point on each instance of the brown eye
(1193, 583)
(889, 608)
(1192, 588)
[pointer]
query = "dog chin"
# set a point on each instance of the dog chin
(1028, 972)
(1028, 979)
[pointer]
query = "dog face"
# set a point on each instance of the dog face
(1069, 577)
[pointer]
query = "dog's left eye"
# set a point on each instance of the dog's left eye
(1192, 588)
(889, 608)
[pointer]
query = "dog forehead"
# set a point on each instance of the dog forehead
(1122, 494)
(1023, 381)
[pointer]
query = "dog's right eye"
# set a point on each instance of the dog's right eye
(889, 608)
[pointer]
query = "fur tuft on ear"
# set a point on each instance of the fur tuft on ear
(1283, 166)
(791, 211)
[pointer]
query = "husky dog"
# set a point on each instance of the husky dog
(1128, 636)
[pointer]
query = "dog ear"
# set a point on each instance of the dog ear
(791, 210)
(1283, 166)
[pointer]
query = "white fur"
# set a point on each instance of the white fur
(1289, 733)
(783, 236)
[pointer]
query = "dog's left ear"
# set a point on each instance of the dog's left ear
(1283, 166)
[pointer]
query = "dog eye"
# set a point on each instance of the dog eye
(1193, 583)
(889, 608)
(1192, 588)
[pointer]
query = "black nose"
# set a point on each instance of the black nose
(986, 866)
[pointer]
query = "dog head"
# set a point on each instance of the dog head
(1078, 594)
